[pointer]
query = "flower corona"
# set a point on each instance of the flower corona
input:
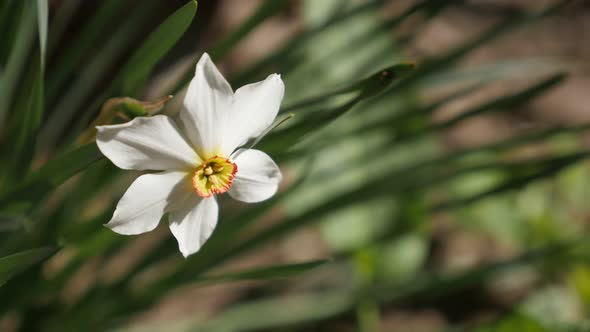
(214, 176)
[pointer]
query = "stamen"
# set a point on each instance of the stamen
(214, 176)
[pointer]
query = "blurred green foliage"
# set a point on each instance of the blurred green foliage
(361, 153)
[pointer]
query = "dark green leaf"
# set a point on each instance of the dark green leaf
(91, 72)
(156, 45)
(52, 174)
(42, 18)
(16, 263)
(17, 59)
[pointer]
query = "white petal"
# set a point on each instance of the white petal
(146, 143)
(254, 109)
(258, 176)
(143, 204)
(206, 106)
(194, 223)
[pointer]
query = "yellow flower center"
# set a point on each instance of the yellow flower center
(214, 176)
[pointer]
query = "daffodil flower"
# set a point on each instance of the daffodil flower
(198, 157)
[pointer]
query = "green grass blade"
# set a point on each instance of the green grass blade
(371, 85)
(509, 101)
(270, 272)
(28, 125)
(267, 9)
(17, 60)
(447, 60)
(321, 305)
(73, 99)
(434, 285)
(16, 263)
(532, 172)
(42, 18)
(59, 22)
(52, 174)
(365, 89)
(133, 74)
(66, 64)
(29, 118)
(294, 309)
(10, 15)
(283, 53)
(156, 45)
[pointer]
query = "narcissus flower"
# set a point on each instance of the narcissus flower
(198, 158)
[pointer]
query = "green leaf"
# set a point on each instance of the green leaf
(370, 86)
(59, 23)
(26, 130)
(129, 79)
(42, 17)
(157, 44)
(523, 174)
(52, 174)
(16, 263)
(509, 101)
(367, 88)
(71, 56)
(29, 110)
(452, 57)
(284, 52)
(71, 100)
(17, 59)
(267, 9)
(294, 309)
(270, 272)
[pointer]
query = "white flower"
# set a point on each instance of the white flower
(198, 158)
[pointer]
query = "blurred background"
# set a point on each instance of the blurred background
(433, 152)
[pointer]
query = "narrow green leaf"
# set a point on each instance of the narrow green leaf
(129, 79)
(525, 175)
(294, 309)
(371, 86)
(508, 101)
(314, 306)
(10, 14)
(42, 18)
(157, 44)
(29, 118)
(269, 272)
(16, 263)
(17, 59)
(54, 173)
(500, 104)
(453, 56)
(283, 53)
(26, 130)
(72, 56)
(72, 100)
(59, 22)
(434, 285)
(281, 141)
(266, 9)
